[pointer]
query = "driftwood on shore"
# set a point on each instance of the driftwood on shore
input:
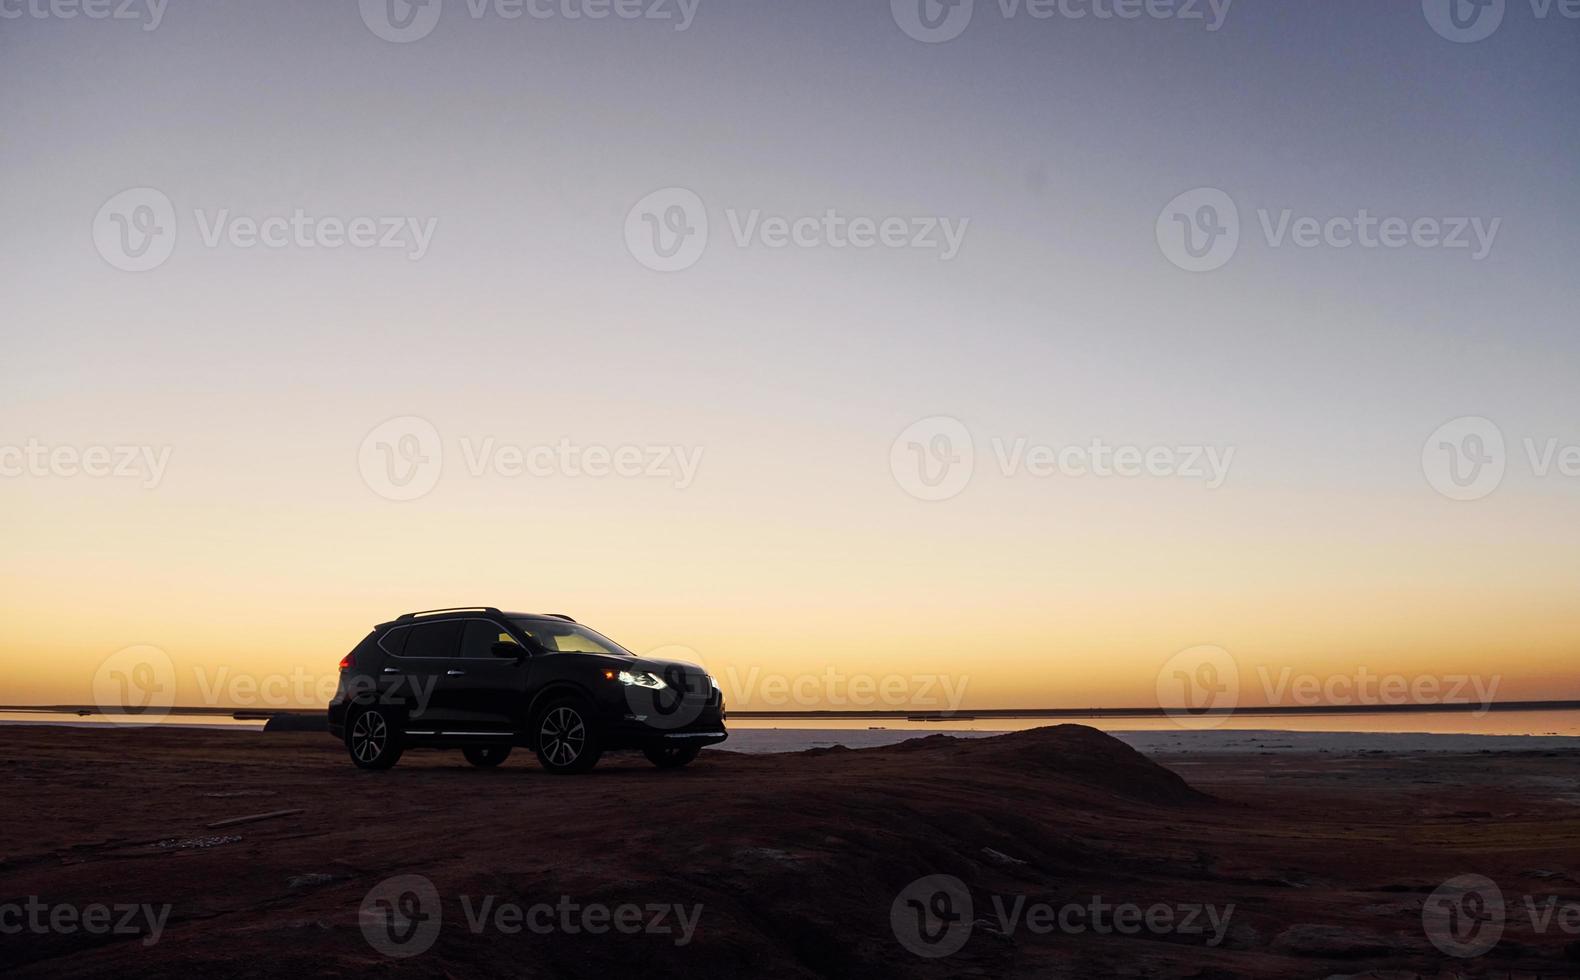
(254, 818)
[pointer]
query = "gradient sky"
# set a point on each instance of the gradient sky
(794, 370)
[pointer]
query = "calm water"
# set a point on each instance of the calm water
(1429, 722)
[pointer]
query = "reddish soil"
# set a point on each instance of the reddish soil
(795, 860)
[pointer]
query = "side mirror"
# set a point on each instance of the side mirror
(510, 651)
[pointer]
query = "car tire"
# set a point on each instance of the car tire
(671, 756)
(566, 737)
(486, 756)
(373, 737)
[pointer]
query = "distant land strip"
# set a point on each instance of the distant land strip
(963, 714)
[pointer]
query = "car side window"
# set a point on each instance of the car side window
(394, 641)
(479, 637)
(433, 639)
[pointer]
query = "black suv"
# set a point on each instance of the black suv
(484, 681)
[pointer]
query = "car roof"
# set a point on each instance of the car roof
(477, 612)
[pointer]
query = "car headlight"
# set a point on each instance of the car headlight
(641, 678)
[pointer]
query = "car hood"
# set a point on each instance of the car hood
(652, 664)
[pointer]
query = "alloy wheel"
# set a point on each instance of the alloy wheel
(562, 736)
(368, 736)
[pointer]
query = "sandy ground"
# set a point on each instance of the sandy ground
(1296, 863)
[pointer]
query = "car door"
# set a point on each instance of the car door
(483, 691)
(416, 674)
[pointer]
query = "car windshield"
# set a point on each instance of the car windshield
(560, 636)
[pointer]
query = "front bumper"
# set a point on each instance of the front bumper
(634, 724)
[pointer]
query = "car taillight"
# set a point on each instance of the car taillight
(349, 660)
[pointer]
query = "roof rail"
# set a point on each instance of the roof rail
(430, 612)
(561, 616)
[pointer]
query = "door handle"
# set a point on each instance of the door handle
(391, 670)
(455, 673)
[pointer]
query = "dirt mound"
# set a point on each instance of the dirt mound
(1076, 754)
